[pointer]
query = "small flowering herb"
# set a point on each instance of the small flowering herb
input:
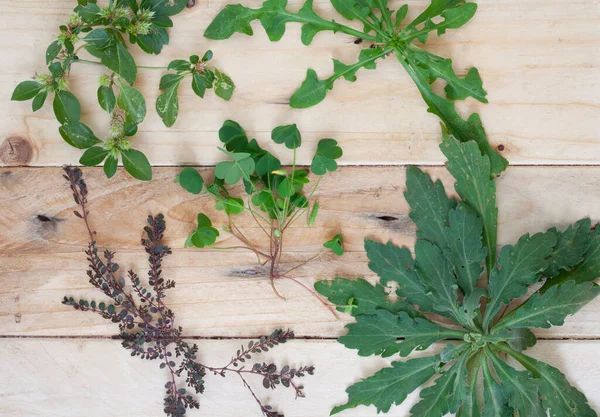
(147, 324)
(383, 32)
(275, 196)
(102, 33)
(444, 281)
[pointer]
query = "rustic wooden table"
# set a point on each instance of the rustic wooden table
(540, 62)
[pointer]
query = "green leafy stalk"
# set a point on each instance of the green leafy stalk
(384, 37)
(102, 33)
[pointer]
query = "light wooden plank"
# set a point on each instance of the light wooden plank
(540, 66)
(97, 377)
(226, 293)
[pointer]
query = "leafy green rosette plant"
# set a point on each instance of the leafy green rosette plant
(275, 196)
(384, 33)
(490, 314)
(102, 33)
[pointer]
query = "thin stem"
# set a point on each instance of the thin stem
(303, 263)
(329, 307)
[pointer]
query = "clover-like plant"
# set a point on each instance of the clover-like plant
(385, 33)
(101, 32)
(275, 196)
(446, 282)
(147, 325)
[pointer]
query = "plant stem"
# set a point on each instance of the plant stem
(87, 61)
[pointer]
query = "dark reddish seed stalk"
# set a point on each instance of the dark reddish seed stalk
(147, 326)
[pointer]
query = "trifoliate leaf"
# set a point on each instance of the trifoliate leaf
(205, 234)
(336, 244)
(267, 163)
(324, 160)
(233, 136)
(289, 134)
(232, 171)
(231, 205)
(390, 386)
(191, 180)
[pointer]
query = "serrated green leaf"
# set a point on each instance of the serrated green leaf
(429, 205)
(367, 298)
(78, 135)
(106, 98)
(588, 270)
(325, 158)
(288, 134)
(313, 91)
(495, 400)
(93, 156)
(377, 334)
(464, 249)
(560, 397)
(446, 395)
(518, 339)
(132, 102)
(394, 264)
(453, 13)
(336, 244)
(519, 387)
(66, 107)
(191, 180)
(434, 271)
(118, 59)
(518, 267)
(137, 164)
(550, 308)
(570, 247)
(390, 386)
(473, 183)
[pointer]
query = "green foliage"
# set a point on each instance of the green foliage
(443, 281)
(203, 77)
(383, 32)
(274, 197)
(108, 34)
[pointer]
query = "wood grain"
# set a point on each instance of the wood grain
(227, 293)
(540, 67)
(97, 378)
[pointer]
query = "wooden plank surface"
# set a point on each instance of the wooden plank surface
(227, 293)
(540, 64)
(97, 378)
